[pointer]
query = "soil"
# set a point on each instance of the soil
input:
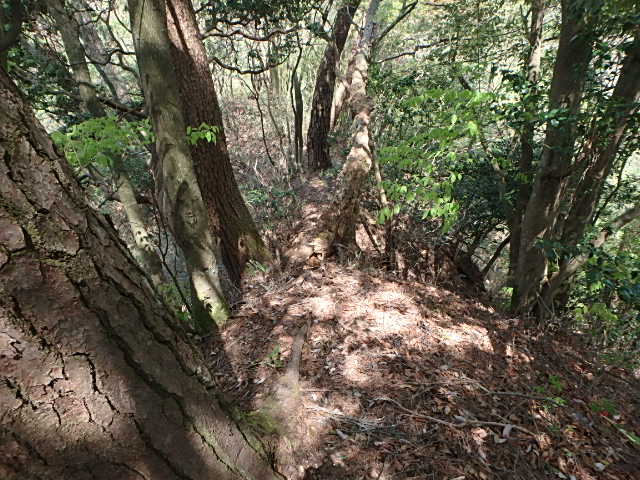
(407, 380)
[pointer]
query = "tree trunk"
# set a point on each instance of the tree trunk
(600, 154)
(179, 198)
(525, 162)
(97, 380)
(142, 248)
(229, 217)
(567, 84)
(298, 117)
(603, 146)
(344, 213)
(318, 157)
(70, 34)
(96, 51)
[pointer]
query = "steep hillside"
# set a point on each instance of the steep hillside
(404, 380)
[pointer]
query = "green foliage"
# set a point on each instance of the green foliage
(203, 132)
(173, 299)
(605, 300)
(604, 405)
(100, 140)
(274, 359)
(424, 167)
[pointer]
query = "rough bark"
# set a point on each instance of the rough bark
(318, 157)
(567, 85)
(96, 380)
(525, 162)
(344, 214)
(229, 217)
(180, 199)
(142, 248)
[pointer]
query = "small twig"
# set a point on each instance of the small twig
(462, 424)
(523, 395)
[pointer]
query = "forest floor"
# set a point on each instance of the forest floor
(405, 380)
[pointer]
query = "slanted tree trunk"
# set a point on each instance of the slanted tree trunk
(180, 199)
(525, 162)
(599, 153)
(229, 217)
(318, 157)
(567, 84)
(343, 218)
(96, 380)
(70, 34)
(142, 247)
(96, 51)
(571, 266)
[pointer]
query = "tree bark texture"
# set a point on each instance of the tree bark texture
(298, 118)
(567, 85)
(96, 381)
(179, 198)
(525, 162)
(318, 157)
(142, 247)
(344, 214)
(229, 217)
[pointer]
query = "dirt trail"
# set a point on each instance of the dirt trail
(401, 380)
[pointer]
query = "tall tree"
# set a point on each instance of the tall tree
(229, 217)
(142, 247)
(320, 122)
(525, 162)
(180, 198)
(96, 380)
(342, 218)
(599, 154)
(577, 36)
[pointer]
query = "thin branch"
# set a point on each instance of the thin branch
(401, 16)
(415, 50)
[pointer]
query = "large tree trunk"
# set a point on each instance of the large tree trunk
(318, 157)
(567, 85)
(525, 162)
(599, 153)
(142, 247)
(343, 218)
(180, 199)
(229, 216)
(96, 380)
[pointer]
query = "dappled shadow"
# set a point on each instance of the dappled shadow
(403, 380)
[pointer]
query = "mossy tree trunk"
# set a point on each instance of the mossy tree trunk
(96, 380)
(229, 217)
(180, 199)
